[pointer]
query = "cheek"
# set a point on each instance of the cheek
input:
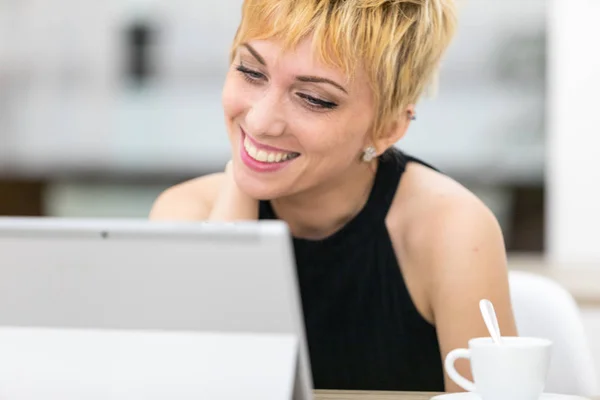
(330, 136)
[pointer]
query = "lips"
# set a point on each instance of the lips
(267, 155)
(262, 158)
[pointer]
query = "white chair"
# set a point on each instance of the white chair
(543, 308)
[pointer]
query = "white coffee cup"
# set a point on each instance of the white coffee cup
(515, 370)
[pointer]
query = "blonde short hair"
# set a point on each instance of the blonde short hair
(399, 43)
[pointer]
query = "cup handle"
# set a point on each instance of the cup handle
(453, 374)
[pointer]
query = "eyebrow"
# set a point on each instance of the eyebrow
(255, 54)
(311, 79)
(317, 79)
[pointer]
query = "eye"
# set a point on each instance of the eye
(314, 102)
(249, 74)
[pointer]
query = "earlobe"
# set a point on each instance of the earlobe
(369, 154)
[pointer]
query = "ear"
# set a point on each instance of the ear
(395, 130)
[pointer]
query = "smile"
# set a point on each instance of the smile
(261, 158)
(267, 156)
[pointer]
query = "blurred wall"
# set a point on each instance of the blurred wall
(105, 104)
(574, 132)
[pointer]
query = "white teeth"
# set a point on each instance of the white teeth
(264, 156)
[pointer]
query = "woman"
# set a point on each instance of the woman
(393, 257)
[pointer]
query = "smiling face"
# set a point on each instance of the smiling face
(313, 83)
(293, 122)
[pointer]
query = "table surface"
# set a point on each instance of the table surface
(364, 395)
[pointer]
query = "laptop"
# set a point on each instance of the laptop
(115, 309)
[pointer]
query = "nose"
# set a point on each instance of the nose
(265, 116)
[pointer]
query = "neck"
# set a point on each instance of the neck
(322, 211)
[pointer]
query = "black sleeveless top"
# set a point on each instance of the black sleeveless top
(363, 330)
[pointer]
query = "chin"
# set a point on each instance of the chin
(257, 188)
(261, 191)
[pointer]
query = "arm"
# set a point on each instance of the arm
(467, 262)
(213, 197)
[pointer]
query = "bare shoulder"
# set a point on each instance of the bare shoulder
(443, 232)
(431, 211)
(451, 250)
(189, 200)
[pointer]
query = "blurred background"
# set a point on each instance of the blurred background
(104, 104)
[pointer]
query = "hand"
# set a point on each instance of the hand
(229, 168)
(232, 204)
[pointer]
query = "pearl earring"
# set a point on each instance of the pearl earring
(369, 154)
